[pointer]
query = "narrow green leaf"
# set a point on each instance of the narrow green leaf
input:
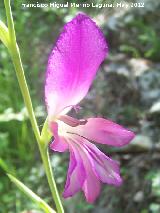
(3, 165)
(7, 168)
(4, 34)
(41, 203)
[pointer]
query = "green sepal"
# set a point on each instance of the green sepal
(45, 133)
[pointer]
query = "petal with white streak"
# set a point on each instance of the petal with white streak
(76, 174)
(106, 169)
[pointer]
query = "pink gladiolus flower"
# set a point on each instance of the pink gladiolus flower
(72, 66)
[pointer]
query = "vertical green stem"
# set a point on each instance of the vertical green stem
(51, 181)
(16, 58)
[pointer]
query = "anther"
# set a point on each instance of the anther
(72, 121)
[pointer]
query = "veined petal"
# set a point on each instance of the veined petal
(76, 174)
(60, 143)
(106, 169)
(98, 167)
(104, 131)
(73, 63)
(91, 186)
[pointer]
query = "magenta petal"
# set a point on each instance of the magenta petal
(73, 63)
(106, 169)
(105, 132)
(76, 174)
(60, 143)
(91, 185)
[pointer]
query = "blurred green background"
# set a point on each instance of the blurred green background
(126, 90)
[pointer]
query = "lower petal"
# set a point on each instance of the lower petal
(76, 174)
(91, 186)
(60, 143)
(106, 169)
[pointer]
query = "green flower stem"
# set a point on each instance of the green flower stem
(16, 58)
(51, 181)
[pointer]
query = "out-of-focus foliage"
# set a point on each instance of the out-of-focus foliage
(127, 90)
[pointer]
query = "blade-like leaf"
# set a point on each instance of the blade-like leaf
(41, 203)
(4, 34)
(3, 165)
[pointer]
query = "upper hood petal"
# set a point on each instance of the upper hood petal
(73, 63)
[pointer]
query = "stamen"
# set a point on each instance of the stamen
(83, 121)
(72, 121)
(75, 107)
